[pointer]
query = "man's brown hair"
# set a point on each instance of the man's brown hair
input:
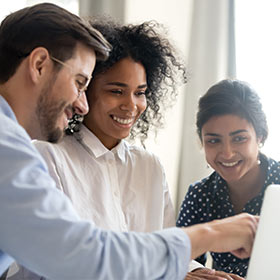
(45, 25)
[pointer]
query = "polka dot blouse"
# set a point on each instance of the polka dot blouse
(209, 199)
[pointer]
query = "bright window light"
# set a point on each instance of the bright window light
(8, 7)
(258, 59)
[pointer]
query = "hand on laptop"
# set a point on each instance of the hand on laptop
(211, 274)
(234, 234)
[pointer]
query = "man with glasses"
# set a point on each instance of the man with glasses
(46, 59)
(82, 81)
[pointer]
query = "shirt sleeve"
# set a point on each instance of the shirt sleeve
(5, 262)
(44, 233)
(195, 265)
(169, 214)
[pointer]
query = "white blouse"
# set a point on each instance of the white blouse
(122, 189)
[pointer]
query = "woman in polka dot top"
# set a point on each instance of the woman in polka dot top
(232, 127)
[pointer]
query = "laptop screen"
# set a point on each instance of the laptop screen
(265, 259)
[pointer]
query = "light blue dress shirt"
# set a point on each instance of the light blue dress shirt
(40, 229)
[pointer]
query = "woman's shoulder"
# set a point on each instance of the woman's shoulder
(206, 183)
(272, 168)
(43, 145)
(138, 151)
(55, 149)
(271, 165)
(142, 158)
(270, 161)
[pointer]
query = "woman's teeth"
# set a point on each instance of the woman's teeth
(229, 164)
(122, 121)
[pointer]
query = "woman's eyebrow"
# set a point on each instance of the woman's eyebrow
(124, 85)
(238, 131)
(230, 134)
(117, 84)
(143, 86)
(212, 134)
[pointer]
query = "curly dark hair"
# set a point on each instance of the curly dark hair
(146, 44)
(164, 69)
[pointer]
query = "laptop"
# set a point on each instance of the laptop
(265, 258)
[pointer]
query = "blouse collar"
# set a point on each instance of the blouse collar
(95, 147)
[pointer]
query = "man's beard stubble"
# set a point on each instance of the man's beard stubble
(48, 112)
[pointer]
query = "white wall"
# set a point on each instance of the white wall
(8, 7)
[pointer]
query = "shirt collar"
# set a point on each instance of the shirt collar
(95, 146)
(6, 109)
(120, 150)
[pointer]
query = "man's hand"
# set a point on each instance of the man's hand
(211, 274)
(234, 234)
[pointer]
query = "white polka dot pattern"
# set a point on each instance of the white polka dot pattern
(209, 199)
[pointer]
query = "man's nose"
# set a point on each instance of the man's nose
(80, 105)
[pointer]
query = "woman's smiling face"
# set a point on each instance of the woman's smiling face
(116, 100)
(231, 146)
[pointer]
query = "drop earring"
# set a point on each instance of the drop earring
(258, 159)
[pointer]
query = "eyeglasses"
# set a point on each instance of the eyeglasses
(82, 81)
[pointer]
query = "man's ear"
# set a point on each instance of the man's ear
(39, 64)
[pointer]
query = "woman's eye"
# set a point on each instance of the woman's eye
(239, 139)
(116, 91)
(141, 93)
(213, 141)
